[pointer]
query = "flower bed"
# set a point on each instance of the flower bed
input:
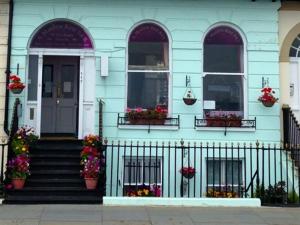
(230, 120)
(221, 193)
(141, 116)
(143, 191)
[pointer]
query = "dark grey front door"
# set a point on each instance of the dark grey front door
(60, 95)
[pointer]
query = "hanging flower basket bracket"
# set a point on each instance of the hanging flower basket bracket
(189, 97)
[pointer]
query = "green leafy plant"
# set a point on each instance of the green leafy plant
(273, 194)
(293, 197)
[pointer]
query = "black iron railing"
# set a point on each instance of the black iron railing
(244, 171)
(291, 134)
(100, 117)
(3, 154)
(170, 121)
(224, 123)
(291, 127)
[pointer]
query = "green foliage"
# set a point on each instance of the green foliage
(273, 194)
(293, 197)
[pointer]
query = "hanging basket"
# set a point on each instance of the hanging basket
(268, 103)
(188, 175)
(17, 90)
(189, 101)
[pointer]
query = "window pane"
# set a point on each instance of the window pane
(32, 77)
(132, 171)
(68, 74)
(223, 58)
(226, 91)
(147, 90)
(213, 171)
(47, 81)
(293, 52)
(148, 55)
(141, 171)
(234, 170)
(152, 171)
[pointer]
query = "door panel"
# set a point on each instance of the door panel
(60, 95)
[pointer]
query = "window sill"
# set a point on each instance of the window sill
(147, 127)
(234, 129)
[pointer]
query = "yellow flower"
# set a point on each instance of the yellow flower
(139, 193)
(146, 192)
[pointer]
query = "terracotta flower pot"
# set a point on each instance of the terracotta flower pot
(16, 90)
(91, 183)
(18, 183)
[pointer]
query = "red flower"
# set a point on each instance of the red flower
(188, 170)
(267, 95)
(15, 82)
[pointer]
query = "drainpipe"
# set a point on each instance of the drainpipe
(10, 21)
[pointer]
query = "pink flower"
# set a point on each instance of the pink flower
(139, 109)
(128, 110)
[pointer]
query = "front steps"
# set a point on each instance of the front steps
(55, 176)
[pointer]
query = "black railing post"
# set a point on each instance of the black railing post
(101, 102)
(286, 124)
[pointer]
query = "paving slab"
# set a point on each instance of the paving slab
(125, 214)
(20, 212)
(111, 215)
(128, 222)
(19, 222)
(68, 223)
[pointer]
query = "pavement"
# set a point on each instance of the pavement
(113, 215)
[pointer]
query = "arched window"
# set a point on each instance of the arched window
(223, 86)
(295, 48)
(148, 67)
(61, 34)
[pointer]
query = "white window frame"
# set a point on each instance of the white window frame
(245, 66)
(223, 172)
(159, 159)
(168, 71)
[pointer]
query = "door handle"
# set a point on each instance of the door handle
(57, 101)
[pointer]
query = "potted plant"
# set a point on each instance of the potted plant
(19, 170)
(90, 160)
(141, 116)
(230, 120)
(188, 172)
(189, 98)
(92, 140)
(90, 172)
(267, 98)
(15, 86)
(23, 139)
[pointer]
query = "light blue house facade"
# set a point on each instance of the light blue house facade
(184, 25)
(139, 55)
